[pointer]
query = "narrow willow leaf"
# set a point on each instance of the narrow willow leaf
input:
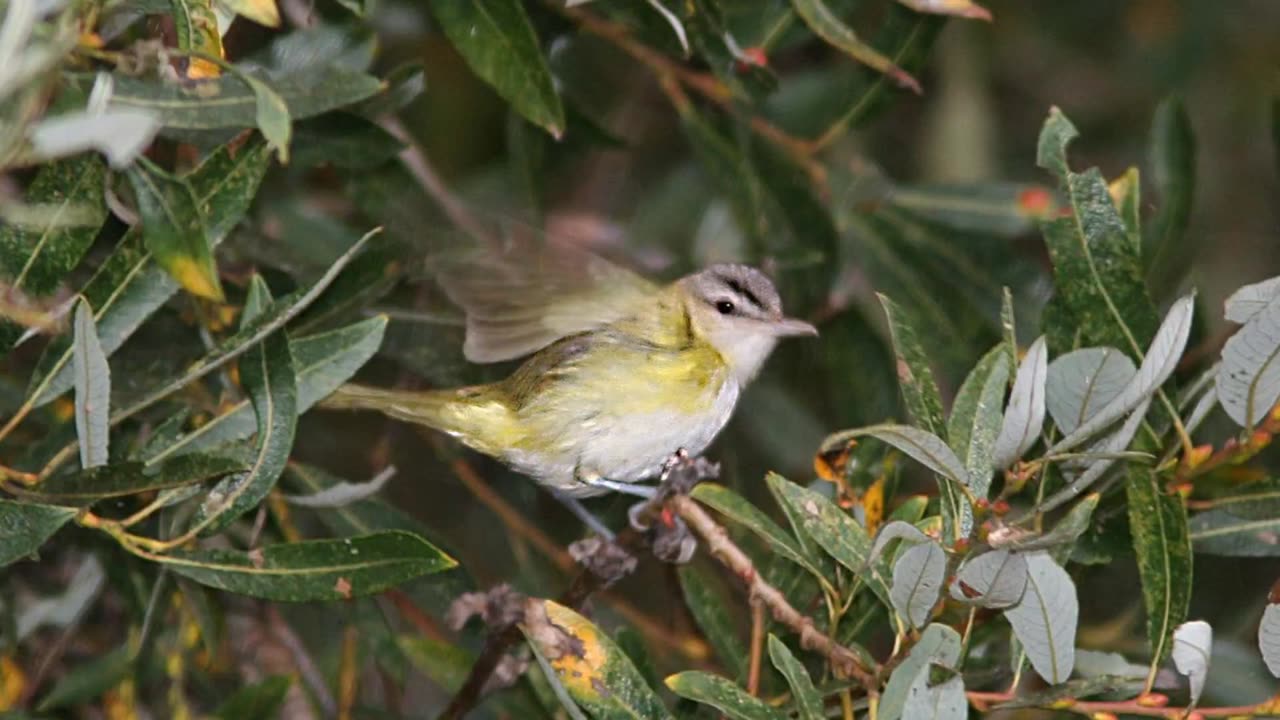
(807, 699)
(1248, 382)
(271, 114)
(1162, 542)
(259, 701)
(1045, 620)
(268, 374)
(1116, 442)
(938, 644)
(1161, 360)
(196, 27)
(996, 579)
(1192, 645)
(737, 508)
(1249, 300)
(896, 530)
(707, 601)
(826, 24)
(131, 478)
(1219, 532)
(343, 493)
(1068, 529)
(499, 44)
(35, 258)
(25, 526)
(1002, 209)
(917, 578)
(919, 390)
(337, 569)
(188, 105)
(1083, 381)
(93, 389)
(975, 418)
(590, 666)
(1171, 153)
(1269, 638)
(830, 527)
(1024, 416)
(943, 700)
(173, 228)
(323, 362)
(923, 446)
(722, 695)
(128, 287)
(1009, 329)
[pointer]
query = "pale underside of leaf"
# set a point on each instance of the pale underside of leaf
(1045, 620)
(917, 578)
(1269, 638)
(944, 701)
(938, 644)
(1083, 381)
(1250, 299)
(995, 580)
(1192, 645)
(1248, 382)
(1024, 415)
(93, 389)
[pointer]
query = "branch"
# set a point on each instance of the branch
(1150, 705)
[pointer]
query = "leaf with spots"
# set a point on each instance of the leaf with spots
(173, 228)
(976, 416)
(1223, 533)
(1162, 542)
(807, 699)
(722, 695)
(24, 527)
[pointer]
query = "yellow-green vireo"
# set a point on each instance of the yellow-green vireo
(624, 372)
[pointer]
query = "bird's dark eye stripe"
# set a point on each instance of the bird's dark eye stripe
(742, 291)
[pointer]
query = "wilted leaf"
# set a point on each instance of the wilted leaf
(827, 25)
(720, 694)
(938, 644)
(738, 509)
(1249, 300)
(1083, 381)
(1160, 362)
(995, 579)
(336, 569)
(128, 287)
(121, 134)
(1171, 154)
(25, 526)
(1045, 620)
(917, 577)
(807, 700)
(1248, 381)
(590, 666)
(323, 362)
(707, 602)
(975, 418)
(1097, 266)
(1219, 532)
(1192, 644)
(1024, 416)
(93, 389)
(942, 700)
(196, 28)
(1161, 540)
(130, 478)
(343, 493)
(1269, 638)
(260, 701)
(268, 375)
(499, 44)
(173, 228)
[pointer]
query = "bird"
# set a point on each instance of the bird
(619, 374)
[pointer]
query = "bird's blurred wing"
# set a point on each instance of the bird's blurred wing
(520, 301)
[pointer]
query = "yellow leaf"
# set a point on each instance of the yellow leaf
(194, 278)
(570, 643)
(1122, 187)
(12, 682)
(197, 29)
(263, 12)
(873, 505)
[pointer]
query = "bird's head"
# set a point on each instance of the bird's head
(736, 308)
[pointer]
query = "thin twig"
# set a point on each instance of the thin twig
(757, 647)
(425, 173)
(1140, 706)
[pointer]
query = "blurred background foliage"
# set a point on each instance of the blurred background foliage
(930, 198)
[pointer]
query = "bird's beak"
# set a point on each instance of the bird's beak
(791, 326)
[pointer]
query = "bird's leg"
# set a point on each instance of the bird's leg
(593, 479)
(582, 513)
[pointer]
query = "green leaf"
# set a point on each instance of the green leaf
(322, 361)
(706, 600)
(93, 389)
(919, 390)
(173, 228)
(975, 417)
(129, 286)
(827, 25)
(131, 478)
(196, 28)
(737, 508)
(35, 259)
(830, 527)
(1001, 209)
(938, 644)
(228, 102)
(336, 569)
(498, 42)
(260, 701)
(924, 447)
(1069, 528)
(343, 140)
(1097, 267)
(89, 680)
(1162, 542)
(807, 699)
(268, 375)
(707, 33)
(594, 671)
(722, 695)
(271, 113)
(25, 526)
(1218, 532)
(1171, 153)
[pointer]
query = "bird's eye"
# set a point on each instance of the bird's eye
(724, 307)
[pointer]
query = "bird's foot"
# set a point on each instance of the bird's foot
(644, 491)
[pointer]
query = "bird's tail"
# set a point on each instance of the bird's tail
(473, 414)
